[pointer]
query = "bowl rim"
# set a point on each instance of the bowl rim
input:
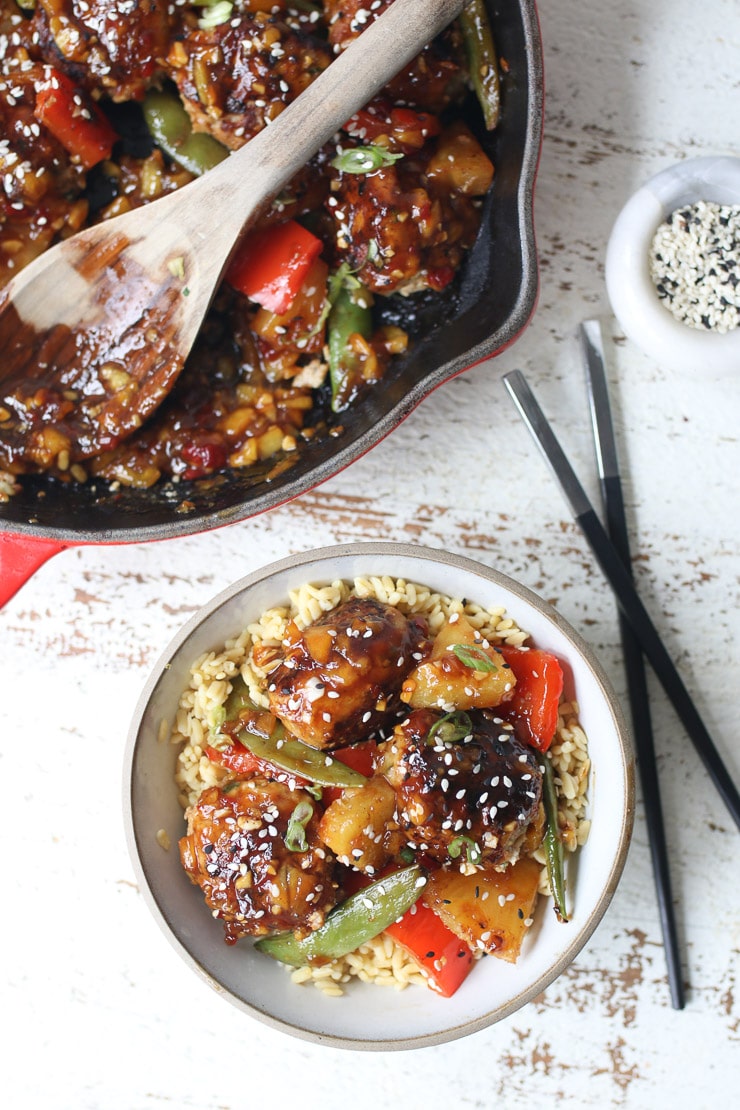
(433, 556)
(634, 299)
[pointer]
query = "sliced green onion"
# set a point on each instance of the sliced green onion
(217, 13)
(374, 255)
(451, 727)
(472, 851)
(234, 784)
(342, 278)
(216, 718)
(295, 834)
(474, 657)
(364, 159)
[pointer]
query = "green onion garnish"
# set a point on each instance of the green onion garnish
(216, 718)
(295, 834)
(451, 727)
(474, 657)
(364, 159)
(472, 851)
(217, 13)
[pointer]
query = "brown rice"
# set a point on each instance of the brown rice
(380, 961)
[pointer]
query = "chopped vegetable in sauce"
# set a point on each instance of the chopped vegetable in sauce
(423, 820)
(106, 107)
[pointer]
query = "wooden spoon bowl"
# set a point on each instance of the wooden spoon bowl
(104, 321)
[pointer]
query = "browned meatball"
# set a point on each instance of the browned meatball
(431, 80)
(235, 851)
(485, 788)
(396, 226)
(40, 188)
(114, 46)
(340, 677)
(236, 78)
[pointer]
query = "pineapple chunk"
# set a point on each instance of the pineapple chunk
(359, 826)
(488, 909)
(447, 681)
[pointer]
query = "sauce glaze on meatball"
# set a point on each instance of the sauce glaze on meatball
(485, 788)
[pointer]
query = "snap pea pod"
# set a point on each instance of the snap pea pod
(482, 60)
(169, 125)
(358, 919)
(277, 747)
(300, 759)
(350, 314)
(552, 843)
(239, 699)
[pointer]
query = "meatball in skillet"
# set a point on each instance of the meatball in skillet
(484, 789)
(235, 850)
(340, 678)
(234, 79)
(114, 46)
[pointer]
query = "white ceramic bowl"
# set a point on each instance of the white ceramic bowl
(372, 1017)
(634, 299)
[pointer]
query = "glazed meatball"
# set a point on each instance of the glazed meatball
(114, 46)
(236, 78)
(418, 214)
(41, 190)
(485, 788)
(432, 80)
(235, 851)
(340, 678)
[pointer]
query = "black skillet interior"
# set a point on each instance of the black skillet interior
(481, 313)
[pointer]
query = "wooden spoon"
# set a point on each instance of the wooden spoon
(105, 320)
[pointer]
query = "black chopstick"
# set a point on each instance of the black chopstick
(624, 590)
(612, 499)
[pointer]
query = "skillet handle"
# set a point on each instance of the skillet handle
(20, 557)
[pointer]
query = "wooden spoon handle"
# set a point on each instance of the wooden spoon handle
(247, 181)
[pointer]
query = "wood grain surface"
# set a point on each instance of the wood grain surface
(102, 1013)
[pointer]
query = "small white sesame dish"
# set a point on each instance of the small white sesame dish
(591, 755)
(673, 267)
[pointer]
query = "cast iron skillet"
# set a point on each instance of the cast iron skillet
(485, 310)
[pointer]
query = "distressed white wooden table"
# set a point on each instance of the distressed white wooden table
(100, 1012)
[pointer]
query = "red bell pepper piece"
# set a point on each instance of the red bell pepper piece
(360, 757)
(75, 120)
(533, 710)
(271, 264)
(440, 277)
(203, 455)
(444, 958)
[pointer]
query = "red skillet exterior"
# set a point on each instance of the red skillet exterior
(487, 311)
